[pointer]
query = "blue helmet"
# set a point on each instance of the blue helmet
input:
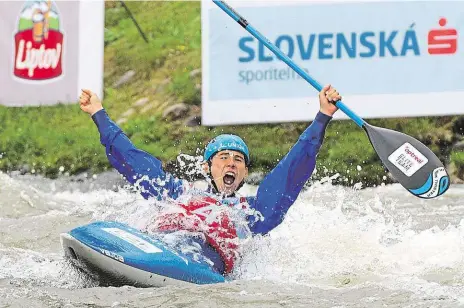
(226, 142)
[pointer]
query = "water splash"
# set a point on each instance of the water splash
(332, 237)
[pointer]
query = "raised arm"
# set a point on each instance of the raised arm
(137, 166)
(280, 188)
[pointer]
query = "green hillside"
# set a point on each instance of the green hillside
(165, 72)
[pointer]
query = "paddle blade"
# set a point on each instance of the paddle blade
(410, 162)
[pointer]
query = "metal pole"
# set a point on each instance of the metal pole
(135, 21)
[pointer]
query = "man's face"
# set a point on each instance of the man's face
(228, 169)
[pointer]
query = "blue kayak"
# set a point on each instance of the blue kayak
(117, 254)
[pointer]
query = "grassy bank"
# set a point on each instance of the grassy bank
(57, 139)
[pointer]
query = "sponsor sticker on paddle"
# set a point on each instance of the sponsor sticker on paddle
(134, 240)
(408, 159)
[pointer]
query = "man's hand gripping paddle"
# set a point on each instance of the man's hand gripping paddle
(412, 164)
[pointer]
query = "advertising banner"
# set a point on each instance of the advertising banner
(387, 59)
(49, 50)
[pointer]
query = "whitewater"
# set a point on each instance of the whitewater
(339, 246)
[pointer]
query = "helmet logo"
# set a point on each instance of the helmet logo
(226, 142)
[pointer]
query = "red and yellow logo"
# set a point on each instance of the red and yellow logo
(38, 42)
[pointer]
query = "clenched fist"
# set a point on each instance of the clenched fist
(89, 102)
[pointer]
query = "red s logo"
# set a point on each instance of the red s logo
(442, 41)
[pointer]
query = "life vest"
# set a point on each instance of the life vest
(212, 218)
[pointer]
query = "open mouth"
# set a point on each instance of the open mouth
(229, 178)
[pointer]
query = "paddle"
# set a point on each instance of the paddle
(410, 162)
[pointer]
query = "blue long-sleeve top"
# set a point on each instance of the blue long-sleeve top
(275, 195)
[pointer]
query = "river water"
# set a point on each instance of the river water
(337, 247)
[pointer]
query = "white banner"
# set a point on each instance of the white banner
(49, 50)
(387, 59)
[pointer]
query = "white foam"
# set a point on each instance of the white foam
(331, 237)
